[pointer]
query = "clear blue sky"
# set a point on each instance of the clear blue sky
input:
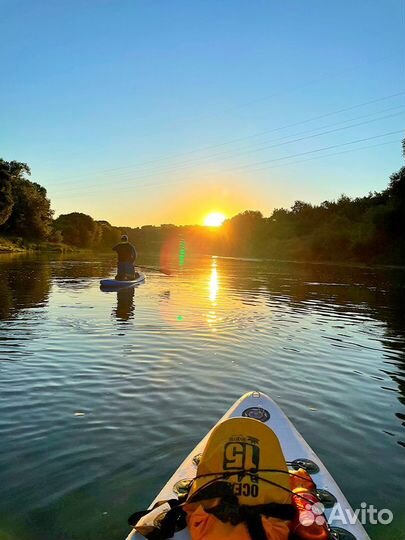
(160, 111)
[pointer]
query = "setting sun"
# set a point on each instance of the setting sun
(215, 219)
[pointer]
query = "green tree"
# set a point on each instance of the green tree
(25, 209)
(6, 197)
(78, 229)
(243, 233)
(109, 235)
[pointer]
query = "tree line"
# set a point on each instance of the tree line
(26, 214)
(25, 209)
(363, 229)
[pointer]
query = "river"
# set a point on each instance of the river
(103, 394)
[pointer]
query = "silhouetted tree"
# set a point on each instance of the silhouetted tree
(25, 209)
(78, 229)
(109, 235)
(6, 198)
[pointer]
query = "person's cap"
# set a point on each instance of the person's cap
(124, 238)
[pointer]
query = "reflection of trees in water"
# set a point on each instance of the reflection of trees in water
(75, 274)
(379, 293)
(125, 308)
(24, 283)
(25, 280)
(6, 298)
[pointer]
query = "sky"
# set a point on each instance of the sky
(148, 112)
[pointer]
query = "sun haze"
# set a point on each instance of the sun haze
(214, 219)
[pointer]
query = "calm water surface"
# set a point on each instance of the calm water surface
(103, 394)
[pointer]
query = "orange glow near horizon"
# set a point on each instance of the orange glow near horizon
(175, 203)
(214, 219)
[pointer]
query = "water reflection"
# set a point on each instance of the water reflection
(125, 308)
(79, 271)
(213, 288)
(327, 342)
(6, 299)
(213, 283)
(23, 284)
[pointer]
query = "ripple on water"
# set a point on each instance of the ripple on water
(102, 395)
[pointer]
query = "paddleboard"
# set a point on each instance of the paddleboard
(116, 284)
(261, 407)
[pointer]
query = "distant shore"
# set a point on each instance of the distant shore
(20, 245)
(8, 246)
(348, 264)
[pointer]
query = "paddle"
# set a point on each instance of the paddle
(162, 270)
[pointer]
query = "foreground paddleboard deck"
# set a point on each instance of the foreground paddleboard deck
(116, 284)
(259, 406)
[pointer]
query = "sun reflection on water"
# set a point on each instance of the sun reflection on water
(213, 284)
(198, 304)
(213, 288)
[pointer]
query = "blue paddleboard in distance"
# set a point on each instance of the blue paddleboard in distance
(116, 284)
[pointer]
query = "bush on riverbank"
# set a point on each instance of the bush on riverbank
(18, 244)
(7, 245)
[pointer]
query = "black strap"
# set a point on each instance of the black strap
(214, 490)
(255, 527)
(286, 512)
(174, 520)
(136, 516)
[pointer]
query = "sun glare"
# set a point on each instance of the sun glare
(215, 219)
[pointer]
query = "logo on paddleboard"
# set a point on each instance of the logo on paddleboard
(258, 413)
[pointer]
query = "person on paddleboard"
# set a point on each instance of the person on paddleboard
(126, 253)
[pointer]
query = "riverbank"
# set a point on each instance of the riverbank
(19, 245)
